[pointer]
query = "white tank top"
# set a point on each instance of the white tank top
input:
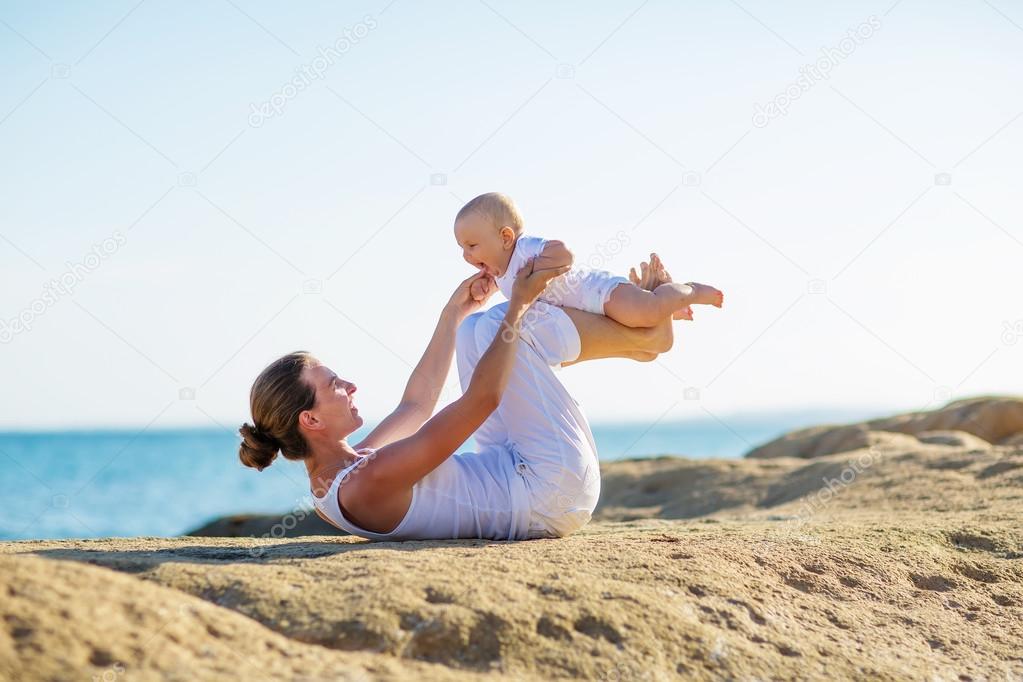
(470, 495)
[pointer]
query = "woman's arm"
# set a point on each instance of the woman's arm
(400, 465)
(427, 379)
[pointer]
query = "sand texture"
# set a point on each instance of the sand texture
(886, 550)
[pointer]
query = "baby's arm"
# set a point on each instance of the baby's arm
(554, 255)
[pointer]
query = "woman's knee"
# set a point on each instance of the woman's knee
(465, 337)
(489, 325)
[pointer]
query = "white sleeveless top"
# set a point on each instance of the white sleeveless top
(470, 495)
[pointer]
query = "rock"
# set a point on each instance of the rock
(905, 545)
(996, 420)
(650, 599)
(266, 526)
(956, 439)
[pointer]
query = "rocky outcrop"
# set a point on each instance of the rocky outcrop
(996, 420)
(897, 556)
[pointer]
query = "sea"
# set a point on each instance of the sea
(162, 483)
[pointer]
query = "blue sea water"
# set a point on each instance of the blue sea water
(79, 484)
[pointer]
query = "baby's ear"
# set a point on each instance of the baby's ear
(507, 236)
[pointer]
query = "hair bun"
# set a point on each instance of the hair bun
(258, 448)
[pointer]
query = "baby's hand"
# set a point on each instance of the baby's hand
(480, 289)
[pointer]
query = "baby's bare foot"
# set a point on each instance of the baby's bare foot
(700, 293)
(704, 294)
(683, 313)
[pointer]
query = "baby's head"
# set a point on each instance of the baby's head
(486, 228)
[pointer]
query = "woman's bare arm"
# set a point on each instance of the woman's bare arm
(600, 337)
(426, 382)
(401, 464)
(423, 388)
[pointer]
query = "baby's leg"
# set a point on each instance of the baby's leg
(634, 307)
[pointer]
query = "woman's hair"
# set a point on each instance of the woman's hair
(278, 396)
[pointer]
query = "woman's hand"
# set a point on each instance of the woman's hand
(530, 282)
(471, 294)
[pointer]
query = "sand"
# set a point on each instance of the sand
(886, 550)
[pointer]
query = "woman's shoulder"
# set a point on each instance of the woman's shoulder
(326, 481)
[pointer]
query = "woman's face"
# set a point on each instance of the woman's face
(335, 401)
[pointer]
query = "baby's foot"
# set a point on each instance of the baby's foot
(683, 313)
(656, 276)
(704, 294)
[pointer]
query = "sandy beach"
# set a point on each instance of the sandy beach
(890, 549)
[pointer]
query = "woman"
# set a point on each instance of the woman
(535, 473)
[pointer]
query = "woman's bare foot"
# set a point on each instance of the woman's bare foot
(662, 337)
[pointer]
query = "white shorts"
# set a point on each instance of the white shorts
(582, 288)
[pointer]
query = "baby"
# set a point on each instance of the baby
(489, 230)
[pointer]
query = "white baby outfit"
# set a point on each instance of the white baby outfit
(580, 287)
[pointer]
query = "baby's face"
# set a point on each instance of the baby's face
(484, 245)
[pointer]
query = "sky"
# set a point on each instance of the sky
(190, 190)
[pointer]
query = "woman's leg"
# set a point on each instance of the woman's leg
(468, 351)
(537, 416)
(544, 425)
(601, 337)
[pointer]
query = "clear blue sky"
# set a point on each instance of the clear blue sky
(853, 277)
